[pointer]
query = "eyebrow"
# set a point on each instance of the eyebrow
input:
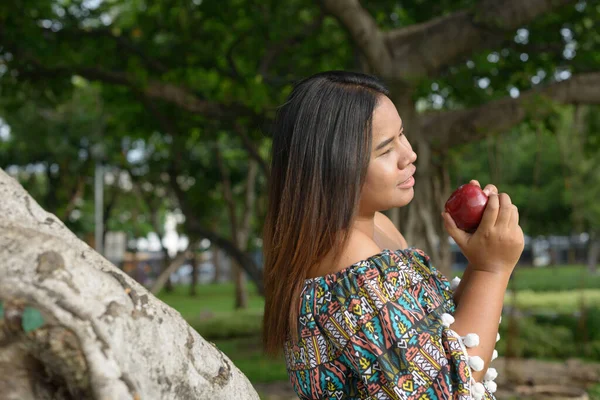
(388, 141)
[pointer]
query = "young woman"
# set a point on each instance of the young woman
(357, 314)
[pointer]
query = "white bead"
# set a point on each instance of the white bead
(478, 391)
(491, 386)
(454, 283)
(476, 363)
(490, 374)
(471, 340)
(497, 337)
(500, 320)
(494, 354)
(447, 320)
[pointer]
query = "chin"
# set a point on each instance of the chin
(406, 198)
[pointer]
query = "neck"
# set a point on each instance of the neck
(365, 223)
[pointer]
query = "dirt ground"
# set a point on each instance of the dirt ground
(517, 379)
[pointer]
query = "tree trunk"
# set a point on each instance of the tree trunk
(420, 222)
(73, 326)
(241, 289)
(593, 253)
(216, 260)
(194, 280)
(239, 232)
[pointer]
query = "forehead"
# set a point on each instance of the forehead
(386, 121)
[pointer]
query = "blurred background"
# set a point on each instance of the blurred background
(144, 125)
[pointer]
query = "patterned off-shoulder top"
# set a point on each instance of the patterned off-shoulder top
(374, 331)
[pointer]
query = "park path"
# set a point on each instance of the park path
(526, 379)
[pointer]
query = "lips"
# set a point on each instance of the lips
(414, 169)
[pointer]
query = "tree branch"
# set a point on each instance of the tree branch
(450, 128)
(364, 32)
(152, 89)
(424, 49)
(193, 226)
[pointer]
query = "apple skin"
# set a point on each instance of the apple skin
(466, 206)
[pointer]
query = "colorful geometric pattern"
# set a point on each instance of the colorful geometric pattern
(374, 331)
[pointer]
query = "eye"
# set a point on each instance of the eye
(386, 152)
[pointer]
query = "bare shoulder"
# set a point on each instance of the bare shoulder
(359, 247)
(390, 229)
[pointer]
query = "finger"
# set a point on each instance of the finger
(505, 210)
(490, 189)
(475, 182)
(490, 214)
(460, 237)
(514, 216)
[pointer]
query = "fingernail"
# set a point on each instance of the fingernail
(486, 191)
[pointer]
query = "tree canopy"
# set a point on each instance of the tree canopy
(164, 84)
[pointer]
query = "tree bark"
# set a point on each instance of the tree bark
(73, 326)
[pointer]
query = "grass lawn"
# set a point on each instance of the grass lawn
(551, 278)
(246, 353)
(237, 333)
(555, 278)
(562, 302)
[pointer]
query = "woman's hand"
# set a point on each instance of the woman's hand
(498, 242)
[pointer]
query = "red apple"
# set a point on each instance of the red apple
(466, 206)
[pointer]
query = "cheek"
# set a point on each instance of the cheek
(381, 177)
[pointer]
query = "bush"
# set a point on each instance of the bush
(554, 336)
(534, 340)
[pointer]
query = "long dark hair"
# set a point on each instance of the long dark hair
(321, 150)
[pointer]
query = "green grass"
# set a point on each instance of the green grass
(552, 278)
(237, 333)
(594, 392)
(247, 355)
(211, 312)
(213, 298)
(562, 302)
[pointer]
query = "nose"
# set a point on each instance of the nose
(408, 158)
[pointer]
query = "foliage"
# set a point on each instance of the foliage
(548, 167)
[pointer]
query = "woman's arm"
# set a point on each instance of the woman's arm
(493, 251)
(478, 311)
(464, 281)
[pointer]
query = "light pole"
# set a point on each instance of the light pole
(98, 154)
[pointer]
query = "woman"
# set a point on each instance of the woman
(357, 314)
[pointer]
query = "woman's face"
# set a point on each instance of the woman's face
(389, 182)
